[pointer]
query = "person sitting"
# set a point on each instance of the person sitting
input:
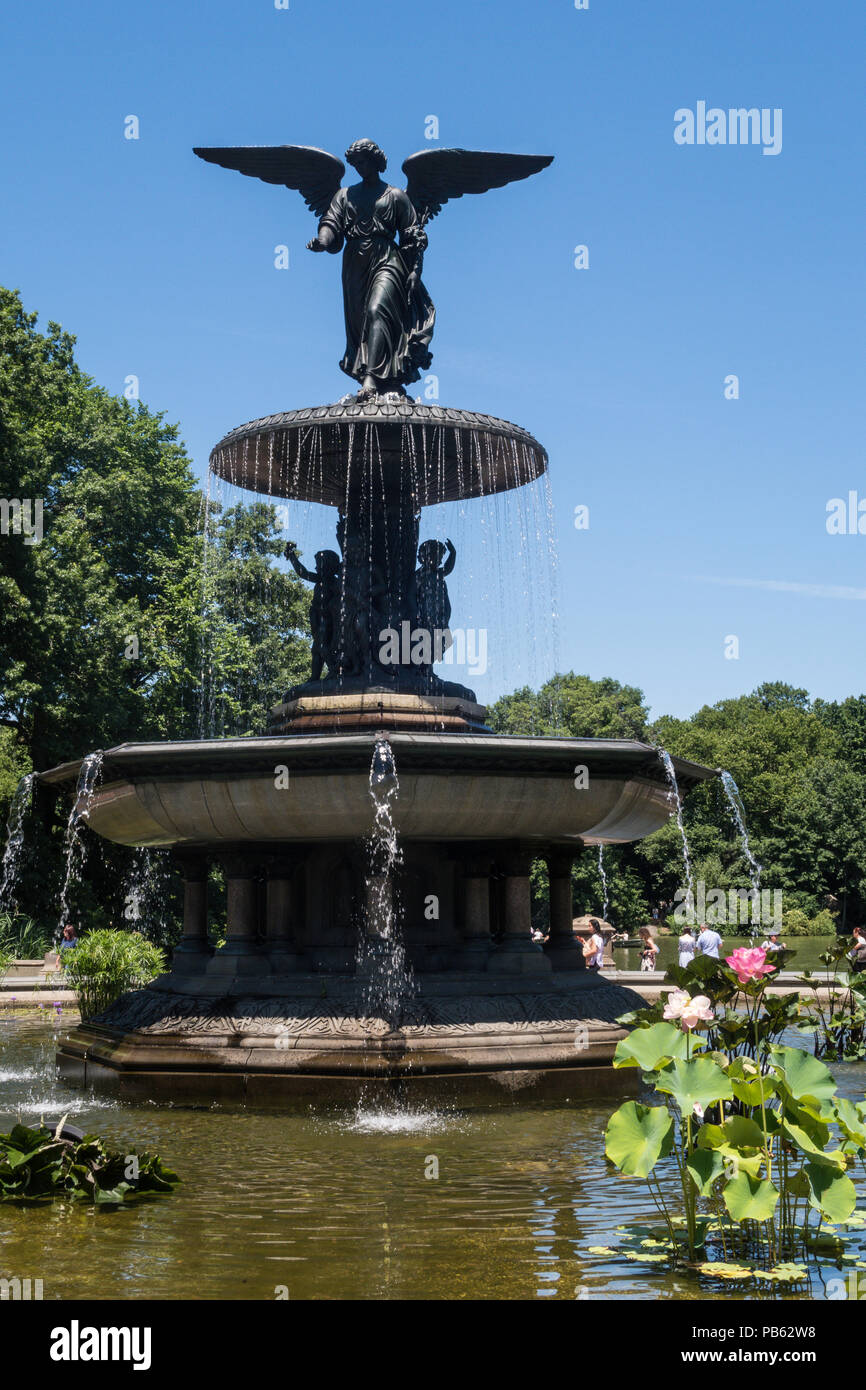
(857, 954)
(772, 943)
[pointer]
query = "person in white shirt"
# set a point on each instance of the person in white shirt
(686, 946)
(709, 942)
(773, 943)
(594, 948)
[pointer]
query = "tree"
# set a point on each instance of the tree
(573, 705)
(111, 619)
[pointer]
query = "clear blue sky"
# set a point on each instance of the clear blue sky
(704, 261)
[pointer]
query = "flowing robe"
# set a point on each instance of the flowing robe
(389, 315)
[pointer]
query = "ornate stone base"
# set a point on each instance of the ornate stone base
(309, 1039)
(349, 713)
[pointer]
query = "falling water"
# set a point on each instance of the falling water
(603, 877)
(674, 795)
(738, 815)
(11, 863)
(75, 847)
(382, 962)
(146, 895)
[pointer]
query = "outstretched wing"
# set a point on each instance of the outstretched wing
(314, 173)
(434, 176)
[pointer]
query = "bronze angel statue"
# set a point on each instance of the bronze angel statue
(380, 230)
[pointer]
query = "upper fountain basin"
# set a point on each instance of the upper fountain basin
(430, 453)
(316, 788)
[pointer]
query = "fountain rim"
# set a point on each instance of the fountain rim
(323, 478)
(432, 752)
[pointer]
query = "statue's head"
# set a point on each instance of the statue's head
(431, 554)
(327, 562)
(364, 152)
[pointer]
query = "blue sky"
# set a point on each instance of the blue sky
(703, 261)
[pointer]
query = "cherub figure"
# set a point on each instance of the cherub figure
(325, 607)
(434, 605)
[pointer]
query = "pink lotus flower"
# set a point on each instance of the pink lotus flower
(688, 1011)
(749, 963)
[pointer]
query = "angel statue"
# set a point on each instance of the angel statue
(380, 230)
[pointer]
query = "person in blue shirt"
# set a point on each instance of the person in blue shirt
(708, 943)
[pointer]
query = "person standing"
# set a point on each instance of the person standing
(686, 948)
(649, 949)
(594, 948)
(709, 943)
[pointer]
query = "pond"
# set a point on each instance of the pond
(807, 949)
(337, 1205)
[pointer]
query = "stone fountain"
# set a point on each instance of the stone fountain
(377, 840)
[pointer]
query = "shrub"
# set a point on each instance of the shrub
(795, 922)
(105, 964)
(23, 938)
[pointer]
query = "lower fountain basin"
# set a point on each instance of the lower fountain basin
(467, 1037)
(316, 788)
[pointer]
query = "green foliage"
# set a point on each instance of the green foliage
(566, 703)
(754, 1129)
(35, 1164)
(835, 1014)
(637, 1137)
(105, 964)
(112, 624)
(796, 922)
(23, 938)
(801, 770)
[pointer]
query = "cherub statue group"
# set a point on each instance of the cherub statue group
(349, 603)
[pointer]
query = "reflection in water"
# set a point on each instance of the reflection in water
(339, 1205)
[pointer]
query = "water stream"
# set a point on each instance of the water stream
(12, 855)
(677, 801)
(604, 886)
(74, 843)
(738, 815)
(388, 980)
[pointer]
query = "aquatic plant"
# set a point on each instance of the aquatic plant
(835, 1014)
(758, 1137)
(105, 964)
(36, 1164)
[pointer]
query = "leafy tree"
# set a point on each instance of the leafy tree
(111, 619)
(574, 705)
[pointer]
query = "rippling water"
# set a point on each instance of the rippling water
(337, 1205)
